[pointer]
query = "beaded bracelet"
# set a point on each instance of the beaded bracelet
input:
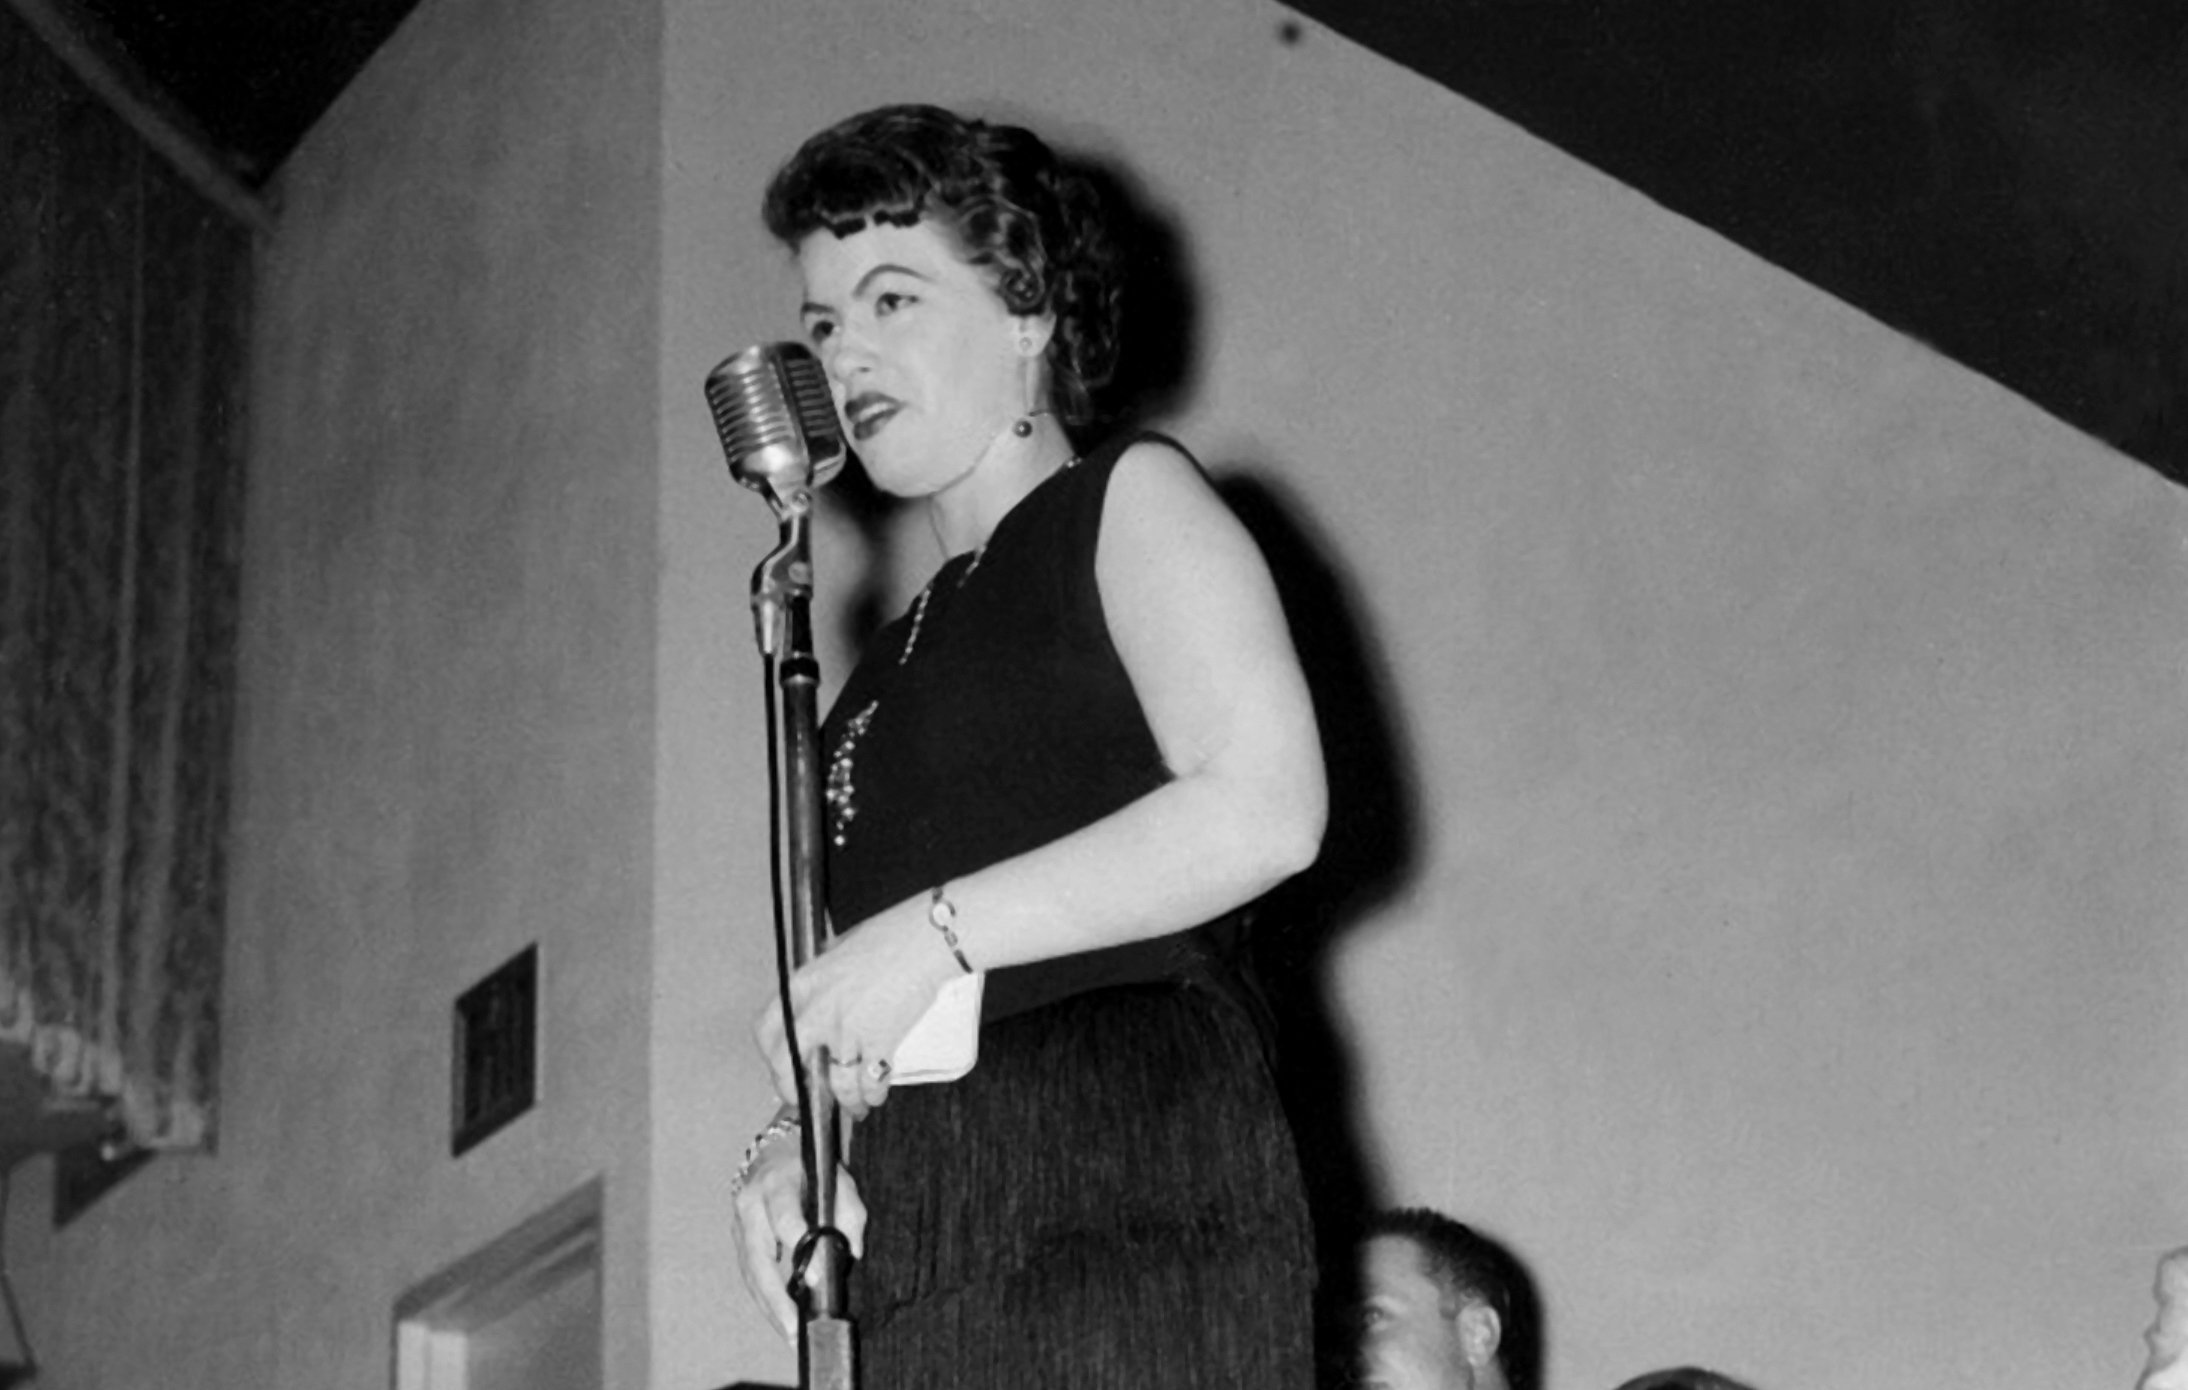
(942, 915)
(776, 1129)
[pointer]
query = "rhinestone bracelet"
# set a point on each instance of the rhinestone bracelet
(942, 916)
(776, 1129)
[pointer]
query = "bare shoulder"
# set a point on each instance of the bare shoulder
(1152, 464)
(1160, 496)
(1169, 538)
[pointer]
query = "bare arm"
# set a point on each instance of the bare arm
(1195, 618)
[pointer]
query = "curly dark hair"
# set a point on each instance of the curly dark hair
(1014, 209)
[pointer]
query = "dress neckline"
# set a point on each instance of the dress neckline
(1013, 510)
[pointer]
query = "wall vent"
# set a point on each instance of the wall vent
(496, 1050)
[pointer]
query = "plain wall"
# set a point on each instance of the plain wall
(1785, 954)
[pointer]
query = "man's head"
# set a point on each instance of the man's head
(1442, 1308)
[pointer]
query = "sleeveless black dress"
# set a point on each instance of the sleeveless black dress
(1111, 1199)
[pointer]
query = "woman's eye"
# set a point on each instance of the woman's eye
(889, 301)
(819, 331)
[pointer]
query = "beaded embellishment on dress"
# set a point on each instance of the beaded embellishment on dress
(841, 793)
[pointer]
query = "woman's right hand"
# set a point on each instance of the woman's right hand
(771, 1222)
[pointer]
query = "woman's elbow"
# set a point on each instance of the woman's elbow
(1290, 837)
(1272, 806)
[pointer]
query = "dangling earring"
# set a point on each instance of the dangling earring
(1023, 425)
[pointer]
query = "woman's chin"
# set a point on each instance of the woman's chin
(884, 467)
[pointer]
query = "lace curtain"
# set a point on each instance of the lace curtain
(122, 323)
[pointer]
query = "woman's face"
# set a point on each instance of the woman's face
(924, 360)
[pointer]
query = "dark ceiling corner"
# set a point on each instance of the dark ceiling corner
(251, 76)
(2005, 180)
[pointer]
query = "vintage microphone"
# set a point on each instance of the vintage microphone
(778, 425)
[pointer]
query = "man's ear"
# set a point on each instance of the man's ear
(1481, 1332)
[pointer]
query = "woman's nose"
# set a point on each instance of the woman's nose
(848, 353)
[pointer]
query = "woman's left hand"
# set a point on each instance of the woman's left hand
(858, 1000)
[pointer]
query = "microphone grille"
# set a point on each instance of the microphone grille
(816, 407)
(745, 396)
(772, 408)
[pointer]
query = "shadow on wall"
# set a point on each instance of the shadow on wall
(1368, 853)
(1159, 345)
(1370, 847)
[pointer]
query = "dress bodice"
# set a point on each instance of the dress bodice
(992, 717)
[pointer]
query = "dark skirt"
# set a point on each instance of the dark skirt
(1110, 1199)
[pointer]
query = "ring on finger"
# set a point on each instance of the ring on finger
(878, 1069)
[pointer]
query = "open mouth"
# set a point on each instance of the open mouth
(867, 414)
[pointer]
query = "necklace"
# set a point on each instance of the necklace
(841, 792)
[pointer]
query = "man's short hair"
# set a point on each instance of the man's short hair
(1470, 1267)
(1683, 1378)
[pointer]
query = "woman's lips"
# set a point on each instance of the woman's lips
(867, 414)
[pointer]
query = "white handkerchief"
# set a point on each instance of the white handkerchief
(945, 1042)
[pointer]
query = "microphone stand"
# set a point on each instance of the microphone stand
(782, 591)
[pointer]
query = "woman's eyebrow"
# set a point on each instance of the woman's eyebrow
(809, 308)
(886, 268)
